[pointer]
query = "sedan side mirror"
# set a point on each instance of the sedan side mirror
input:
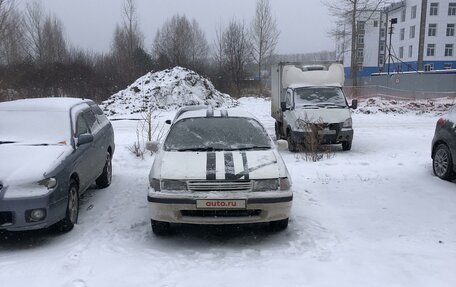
(168, 122)
(85, 139)
(354, 104)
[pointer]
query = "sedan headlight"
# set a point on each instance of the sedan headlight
(265, 184)
(348, 123)
(48, 182)
(169, 184)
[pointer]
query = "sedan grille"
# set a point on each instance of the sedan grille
(244, 186)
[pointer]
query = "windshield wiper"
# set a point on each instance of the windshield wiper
(251, 148)
(7, 142)
(196, 149)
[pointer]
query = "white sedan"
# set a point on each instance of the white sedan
(218, 167)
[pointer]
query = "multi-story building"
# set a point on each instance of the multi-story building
(423, 38)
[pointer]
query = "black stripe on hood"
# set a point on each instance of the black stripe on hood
(210, 166)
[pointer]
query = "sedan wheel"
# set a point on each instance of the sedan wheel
(442, 163)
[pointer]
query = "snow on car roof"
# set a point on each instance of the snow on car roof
(215, 113)
(42, 104)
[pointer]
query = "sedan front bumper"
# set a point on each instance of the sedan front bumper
(186, 207)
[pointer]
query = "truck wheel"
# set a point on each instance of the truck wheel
(160, 228)
(277, 132)
(292, 146)
(347, 145)
(278, 225)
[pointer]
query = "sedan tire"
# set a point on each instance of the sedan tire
(160, 228)
(442, 163)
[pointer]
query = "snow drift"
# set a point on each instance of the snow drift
(168, 89)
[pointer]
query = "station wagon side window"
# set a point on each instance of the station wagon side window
(91, 120)
(81, 126)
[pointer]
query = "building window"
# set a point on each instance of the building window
(432, 31)
(360, 26)
(401, 52)
(429, 67)
(447, 66)
(382, 48)
(413, 12)
(450, 30)
(430, 52)
(434, 10)
(452, 9)
(412, 32)
(410, 52)
(403, 13)
(361, 39)
(448, 50)
(382, 33)
(402, 33)
(375, 23)
(360, 54)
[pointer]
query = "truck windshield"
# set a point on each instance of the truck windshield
(202, 134)
(318, 96)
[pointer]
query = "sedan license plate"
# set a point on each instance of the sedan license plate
(220, 203)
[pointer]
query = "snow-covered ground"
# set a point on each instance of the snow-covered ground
(374, 216)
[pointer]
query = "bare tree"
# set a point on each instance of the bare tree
(45, 35)
(180, 42)
(355, 13)
(12, 40)
(264, 33)
(236, 52)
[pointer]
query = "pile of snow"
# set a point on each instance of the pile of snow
(167, 90)
(402, 106)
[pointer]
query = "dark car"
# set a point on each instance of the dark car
(444, 146)
(51, 151)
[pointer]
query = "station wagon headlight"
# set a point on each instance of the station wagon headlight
(348, 123)
(169, 184)
(48, 182)
(265, 184)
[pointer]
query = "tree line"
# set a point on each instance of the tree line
(37, 60)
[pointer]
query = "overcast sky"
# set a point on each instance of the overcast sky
(89, 24)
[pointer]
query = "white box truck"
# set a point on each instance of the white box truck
(308, 96)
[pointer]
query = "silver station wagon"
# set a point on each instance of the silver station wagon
(51, 151)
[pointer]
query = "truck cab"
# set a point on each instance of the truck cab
(309, 106)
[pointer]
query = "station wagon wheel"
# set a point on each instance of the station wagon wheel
(104, 180)
(442, 163)
(72, 211)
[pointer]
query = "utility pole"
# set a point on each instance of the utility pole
(392, 21)
(422, 35)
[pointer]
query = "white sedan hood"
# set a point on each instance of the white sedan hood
(219, 165)
(27, 163)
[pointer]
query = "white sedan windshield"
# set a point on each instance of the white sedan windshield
(35, 127)
(217, 134)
